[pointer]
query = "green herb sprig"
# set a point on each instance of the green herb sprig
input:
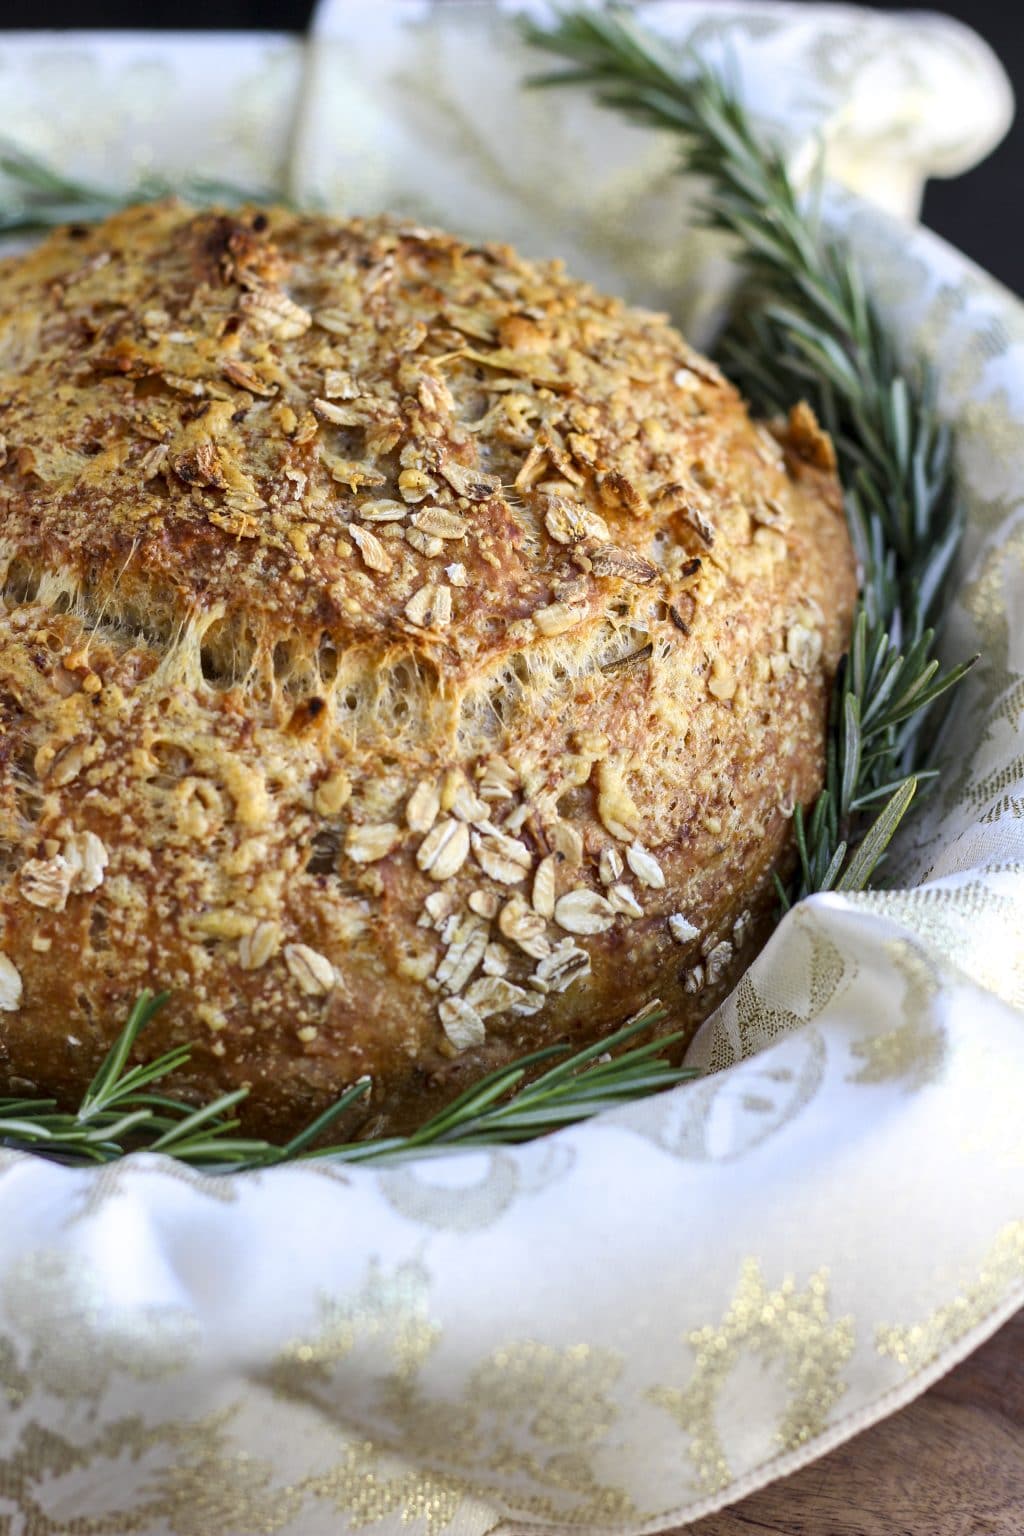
(33, 196)
(122, 1111)
(803, 326)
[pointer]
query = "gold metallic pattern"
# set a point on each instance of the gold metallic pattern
(788, 1329)
(73, 1341)
(913, 1052)
(920, 1344)
(529, 1418)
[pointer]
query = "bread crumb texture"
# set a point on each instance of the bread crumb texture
(409, 656)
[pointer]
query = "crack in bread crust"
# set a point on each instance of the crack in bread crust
(408, 655)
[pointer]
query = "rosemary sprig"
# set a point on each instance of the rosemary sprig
(804, 326)
(121, 1113)
(34, 196)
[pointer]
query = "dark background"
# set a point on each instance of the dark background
(982, 212)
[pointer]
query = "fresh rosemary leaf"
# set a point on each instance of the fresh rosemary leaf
(504, 1107)
(871, 848)
(33, 196)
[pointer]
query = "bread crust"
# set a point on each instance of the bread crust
(409, 657)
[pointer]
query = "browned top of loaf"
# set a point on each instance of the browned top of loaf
(351, 527)
(221, 417)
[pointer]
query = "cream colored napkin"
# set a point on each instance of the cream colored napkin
(630, 1323)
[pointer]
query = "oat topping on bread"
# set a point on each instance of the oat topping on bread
(409, 657)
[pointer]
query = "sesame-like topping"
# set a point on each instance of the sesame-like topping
(313, 972)
(10, 986)
(583, 911)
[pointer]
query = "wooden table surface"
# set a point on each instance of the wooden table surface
(951, 1464)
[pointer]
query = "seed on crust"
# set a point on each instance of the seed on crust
(717, 961)
(525, 928)
(504, 858)
(531, 1002)
(693, 980)
(568, 841)
(367, 844)
(615, 805)
(424, 543)
(259, 946)
(544, 887)
(493, 994)
(440, 523)
(803, 646)
(46, 883)
(333, 794)
(583, 911)
(430, 607)
(622, 900)
(270, 310)
(313, 972)
(416, 965)
(610, 865)
(681, 929)
(245, 377)
(499, 781)
(153, 461)
(722, 682)
(338, 385)
(465, 952)
(243, 501)
(466, 805)
(351, 472)
(337, 415)
(88, 859)
(566, 964)
(444, 850)
(183, 385)
(610, 560)
(461, 1023)
(471, 483)
(700, 523)
(558, 618)
(382, 511)
(422, 806)
(375, 556)
(568, 522)
(415, 485)
(496, 959)
(645, 866)
(337, 321)
(10, 986)
(438, 907)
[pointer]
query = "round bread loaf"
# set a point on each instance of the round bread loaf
(409, 658)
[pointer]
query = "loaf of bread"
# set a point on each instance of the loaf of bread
(409, 657)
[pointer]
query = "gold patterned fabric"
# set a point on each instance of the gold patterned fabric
(631, 1323)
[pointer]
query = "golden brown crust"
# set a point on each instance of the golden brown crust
(397, 636)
